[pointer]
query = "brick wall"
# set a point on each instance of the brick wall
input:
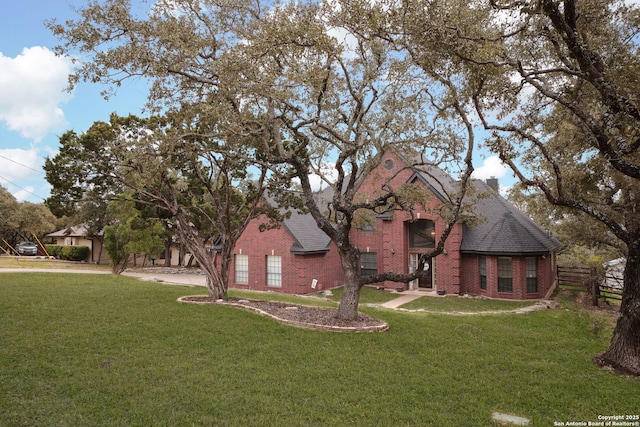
(452, 271)
(471, 277)
(390, 239)
(298, 271)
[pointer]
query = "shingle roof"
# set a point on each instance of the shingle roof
(308, 237)
(504, 229)
(76, 231)
(306, 233)
(501, 227)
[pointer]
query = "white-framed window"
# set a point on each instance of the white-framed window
(242, 269)
(274, 271)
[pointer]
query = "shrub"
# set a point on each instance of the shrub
(71, 253)
(54, 250)
(75, 253)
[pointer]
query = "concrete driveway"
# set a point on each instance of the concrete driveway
(188, 279)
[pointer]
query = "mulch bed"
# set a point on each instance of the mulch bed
(304, 316)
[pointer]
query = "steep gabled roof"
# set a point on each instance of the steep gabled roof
(309, 238)
(437, 180)
(501, 227)
(504, 229)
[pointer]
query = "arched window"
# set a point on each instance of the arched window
(422, 234)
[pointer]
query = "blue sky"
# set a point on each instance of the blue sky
(35, 110)
(34, 107)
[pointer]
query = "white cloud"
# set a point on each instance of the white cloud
(18, 164)
(24, 194)
(32, 86)
(21, 173)
(492, 167)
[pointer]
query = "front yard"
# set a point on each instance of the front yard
(102, 350)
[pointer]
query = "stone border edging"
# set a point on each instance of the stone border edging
(304, 325)
(541, 305)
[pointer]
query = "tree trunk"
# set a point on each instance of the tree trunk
(226, 259)
(101, 240)
(348, 308)
(215, 285)
(167, 253)
(624, 352)
(119, 267)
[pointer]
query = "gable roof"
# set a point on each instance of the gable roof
(309, 238)
(501, 229)
(504, 229)
(76, 231)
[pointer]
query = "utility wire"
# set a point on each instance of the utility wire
(24, 166)
(21, 187)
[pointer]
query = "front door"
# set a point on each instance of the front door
(426, 281)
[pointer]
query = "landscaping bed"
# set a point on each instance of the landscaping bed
(323, 318)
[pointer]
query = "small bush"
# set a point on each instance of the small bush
(75, 253)
(54, 250)
(71, 253)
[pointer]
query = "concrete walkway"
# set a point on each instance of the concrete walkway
(188, 279)
(404, 298)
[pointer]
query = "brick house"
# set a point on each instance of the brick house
(501, 254)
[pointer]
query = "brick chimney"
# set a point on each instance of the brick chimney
(493, 183)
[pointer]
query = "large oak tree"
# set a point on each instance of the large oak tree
(301, 82)
(555, 83)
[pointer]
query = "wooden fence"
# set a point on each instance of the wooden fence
(576, 278)
(606, 291)
(587, 279)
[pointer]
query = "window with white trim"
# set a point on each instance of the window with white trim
(368, 264)
(242, 269)
(274, 271)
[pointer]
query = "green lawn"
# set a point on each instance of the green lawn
(368, 295)
(29, 262)
(96, 350)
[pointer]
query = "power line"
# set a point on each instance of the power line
(24, 166)
(22, 188)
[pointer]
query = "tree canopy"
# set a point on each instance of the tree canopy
(318, 86)
(192, 180)
(293, 88)
(554, 83)
(22, 220)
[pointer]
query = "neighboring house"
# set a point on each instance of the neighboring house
(502, 254)
(79, 236)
